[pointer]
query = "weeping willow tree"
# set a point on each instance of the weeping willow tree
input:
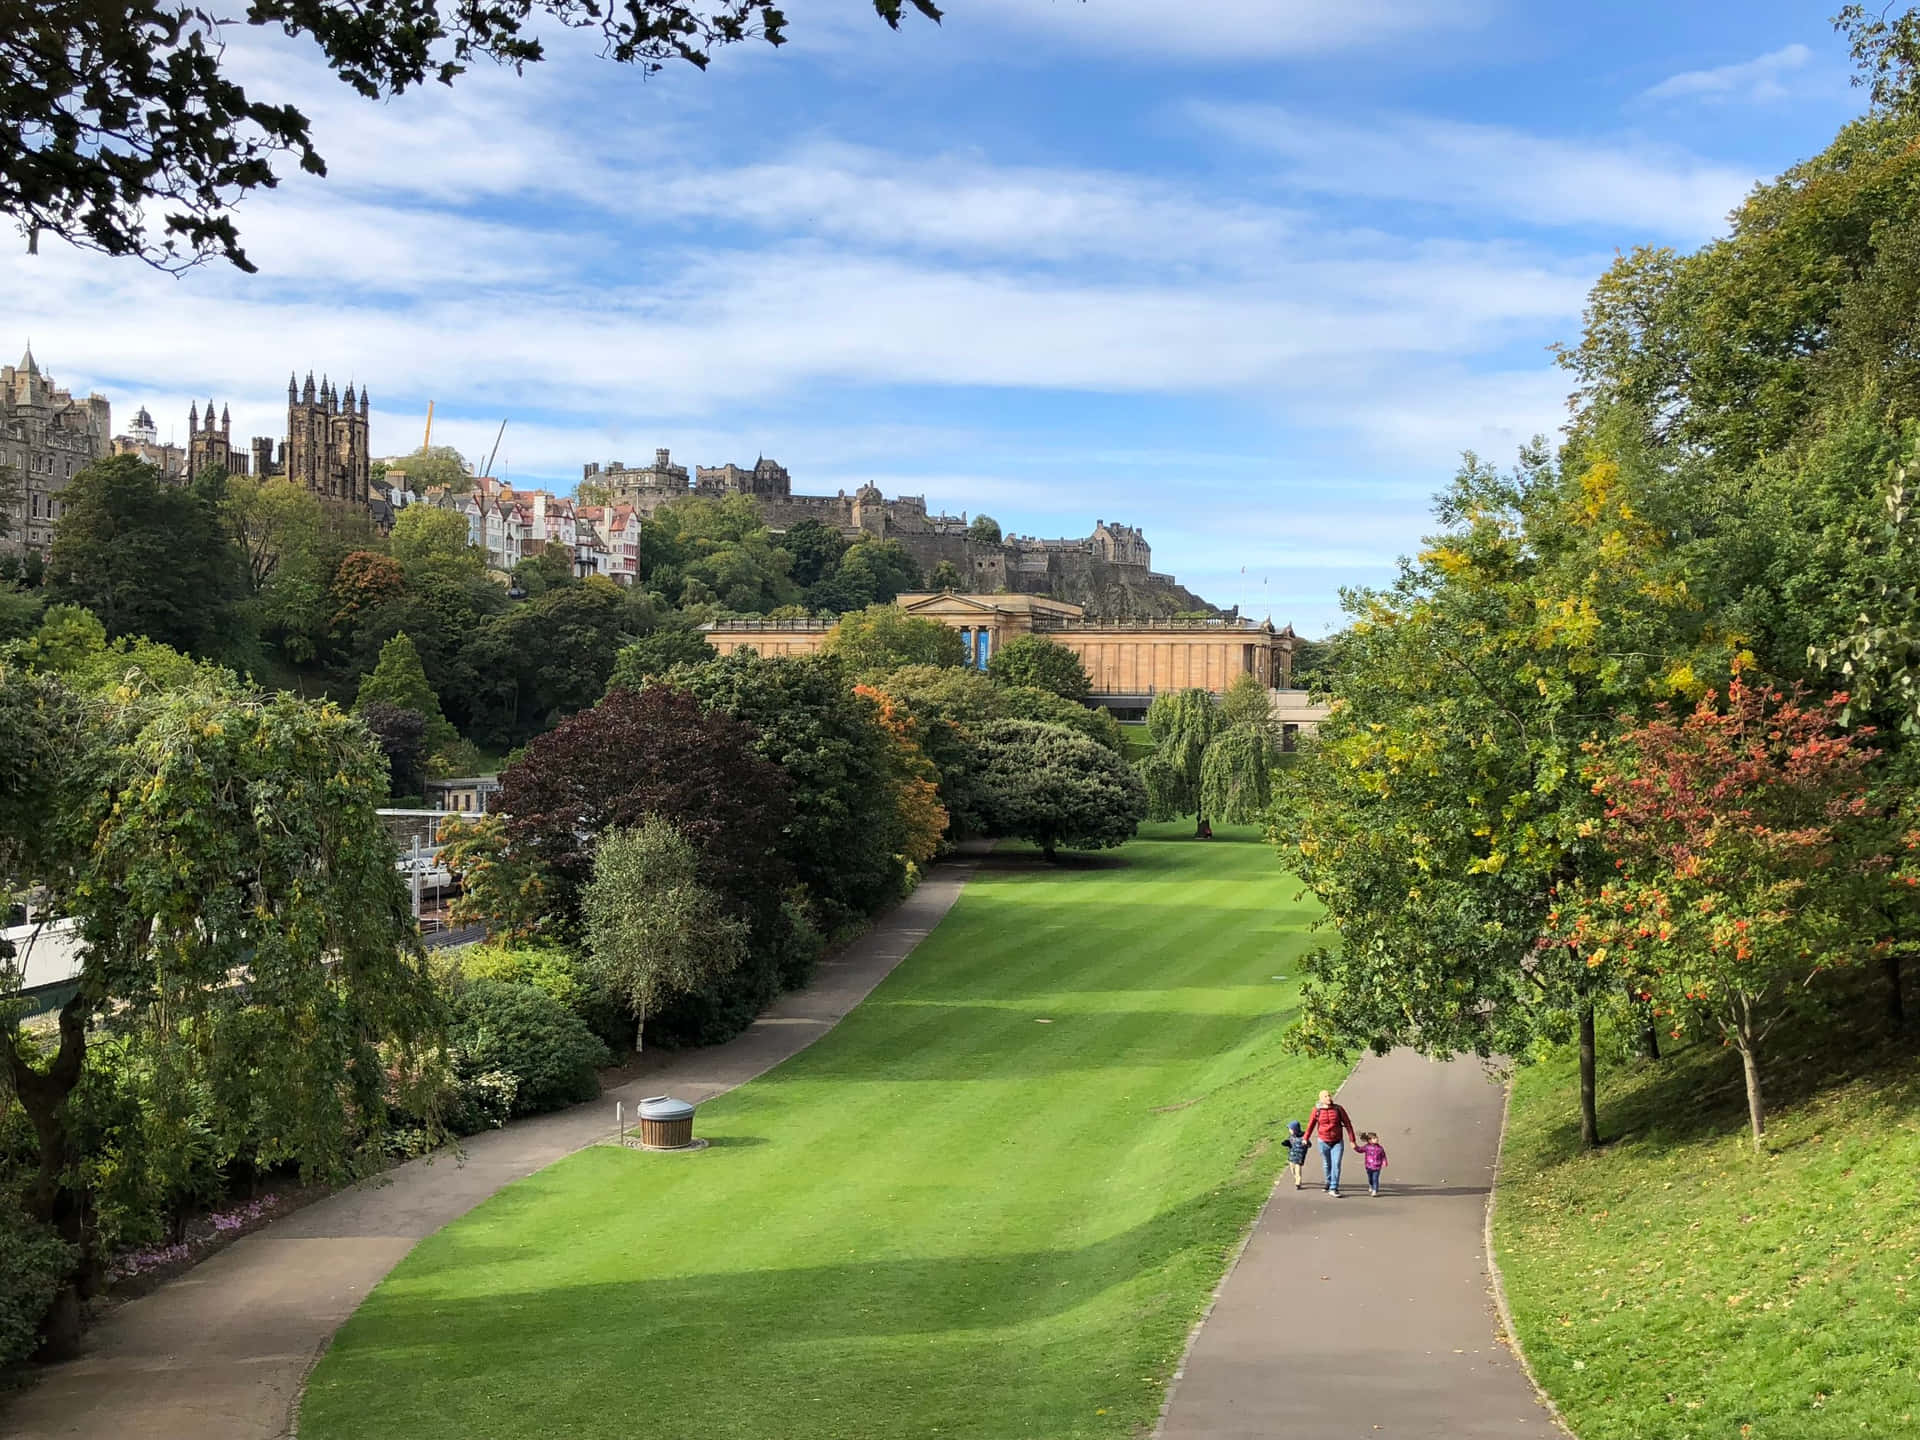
(1182, 723)
(1212, 757)
(1236, 777)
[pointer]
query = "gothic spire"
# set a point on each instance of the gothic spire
(225, 423)
(306, 395)
(364, 400)
(349, 397)
(293, 390)
(193, 418)
(26, 361)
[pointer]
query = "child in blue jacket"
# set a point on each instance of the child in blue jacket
(1296, 1150)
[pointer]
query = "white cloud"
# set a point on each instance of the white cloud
(1489, 171)
(1763, 78)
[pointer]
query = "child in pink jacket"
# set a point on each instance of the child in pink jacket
(1374, 1155)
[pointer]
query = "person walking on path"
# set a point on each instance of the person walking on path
(1328, 1123)
(1296, 1151)
(1374, 1155)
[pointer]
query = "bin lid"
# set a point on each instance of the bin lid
(665, 1107)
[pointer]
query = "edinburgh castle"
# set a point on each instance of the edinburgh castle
(1109, 571)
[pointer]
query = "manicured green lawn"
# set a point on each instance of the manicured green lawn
(944, 1219)
(1674, 1285)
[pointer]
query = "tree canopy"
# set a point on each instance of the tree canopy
(844, 837)
(884, 637)
(126, 132)
(1057, 788)
(1041, 663)
(148, 558)
(653, 930)
(198, 836)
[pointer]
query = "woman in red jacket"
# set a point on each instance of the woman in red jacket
(1326, 1126)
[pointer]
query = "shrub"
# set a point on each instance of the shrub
(34, 1263)
(544, 967)
(558, 972)
(523, 1032)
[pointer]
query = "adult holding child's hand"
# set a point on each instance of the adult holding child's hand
(1330, 1128)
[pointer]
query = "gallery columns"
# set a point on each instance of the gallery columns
(978, 640)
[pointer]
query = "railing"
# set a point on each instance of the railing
(1225, 627)
(768, 626)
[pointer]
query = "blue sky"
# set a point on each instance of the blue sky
(1250, 278)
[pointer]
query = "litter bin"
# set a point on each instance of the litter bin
(665, 1123)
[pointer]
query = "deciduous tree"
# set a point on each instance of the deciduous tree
(1182, 723)
(428, 534)
(1746, 858)
(654, 931)
(916, 781)
(502, 889)
(1041, 663)
(125, 130)
(882, 638)
(236, 903)
(844, 836)
(148, 558)
(1057, 788)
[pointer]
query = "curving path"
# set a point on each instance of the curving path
(1365, 1317)
(221, 1353)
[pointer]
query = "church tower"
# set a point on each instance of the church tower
(327, 450)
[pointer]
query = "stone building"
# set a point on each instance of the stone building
(212, 447)
(326, 449)
(46, 437)
(1109, 570)
(645, 489)
(143, 442)
(1129, 661)
(768, 480)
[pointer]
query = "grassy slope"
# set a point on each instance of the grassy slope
(943, 1219)
(1674, 1285)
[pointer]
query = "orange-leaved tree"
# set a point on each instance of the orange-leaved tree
(916, 783)
(1747, 858)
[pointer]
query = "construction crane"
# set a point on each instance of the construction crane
(496, 449)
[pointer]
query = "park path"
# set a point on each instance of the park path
(221, 1352)
(1363, 1317)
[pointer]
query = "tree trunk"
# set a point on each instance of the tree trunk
(1589, 1102)
(1896, 1006)
(640, 1032)
(1047, 850)
(43, 1096)
(1746, 1039)
(1649, 1032)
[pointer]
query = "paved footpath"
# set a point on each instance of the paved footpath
(221, 1352)
(1370, 1319)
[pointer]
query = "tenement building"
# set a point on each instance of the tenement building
(46, 437)
(1129, 661)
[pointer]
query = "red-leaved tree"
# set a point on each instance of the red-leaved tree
(651, 752)
(1747, 859)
